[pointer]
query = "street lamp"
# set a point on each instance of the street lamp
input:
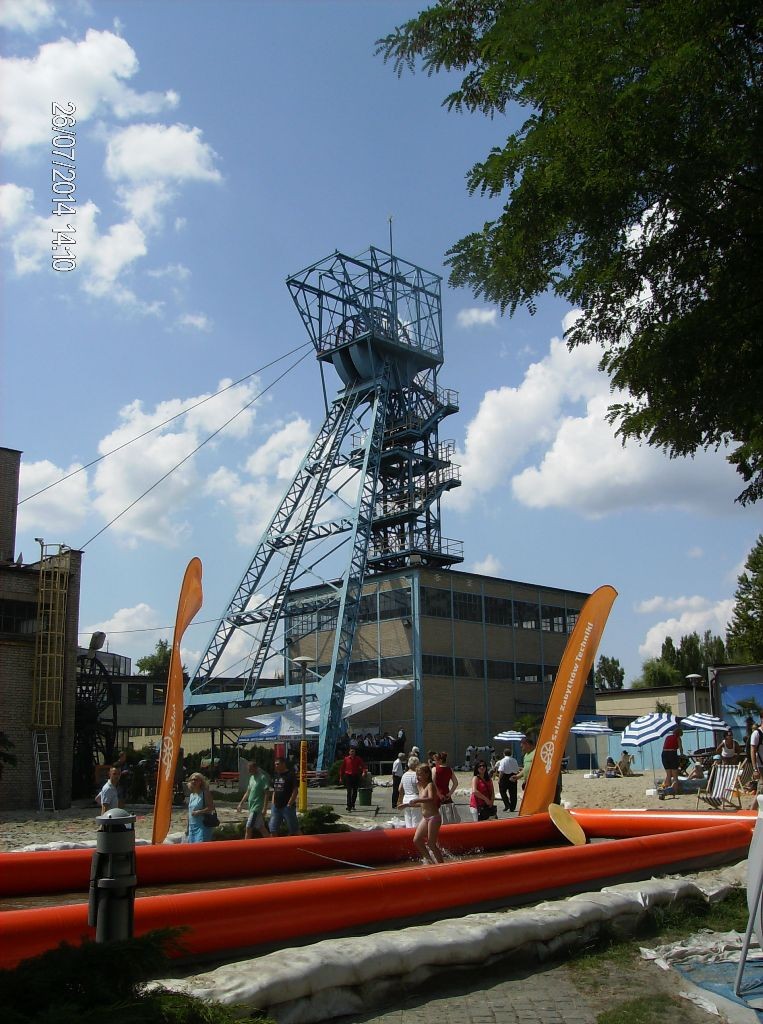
(303, 661)
(694, 678)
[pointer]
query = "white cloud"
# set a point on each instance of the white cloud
(476, 317)
(270, 467)
(15, 205)
(90, 73)
(695, 552)
(125, 476)
(670, 604)
(488, 566)
(175, 271)
(157, 152)
(58, 510)
(26, 15)
(549, 439)
(130, 632)
(195, 321)
(712, 616)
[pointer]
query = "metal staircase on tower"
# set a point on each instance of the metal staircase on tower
(366, 496)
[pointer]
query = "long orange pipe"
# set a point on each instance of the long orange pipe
(41, 872)
(231, 919)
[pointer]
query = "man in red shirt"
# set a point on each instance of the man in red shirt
(350, 771)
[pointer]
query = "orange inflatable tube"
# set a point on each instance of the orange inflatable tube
(26, 874)
(235, 919)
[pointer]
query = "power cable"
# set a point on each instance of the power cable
(195, 450)
(158, 426)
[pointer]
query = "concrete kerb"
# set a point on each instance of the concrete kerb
(336, 977)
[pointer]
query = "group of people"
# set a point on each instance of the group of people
(424, 789)
(728, 751)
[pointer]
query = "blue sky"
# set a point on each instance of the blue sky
(220, 147)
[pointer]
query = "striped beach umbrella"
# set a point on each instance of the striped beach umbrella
(703, 721)
(647, 728)
(511, 736)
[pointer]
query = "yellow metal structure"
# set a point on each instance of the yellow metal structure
(50, 646)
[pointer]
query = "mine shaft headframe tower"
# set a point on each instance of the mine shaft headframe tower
(366, 496)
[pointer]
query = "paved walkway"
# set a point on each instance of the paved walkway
(490, 995)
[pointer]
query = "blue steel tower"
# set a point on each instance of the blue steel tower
(366, 495)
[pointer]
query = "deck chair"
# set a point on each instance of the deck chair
(723, 787)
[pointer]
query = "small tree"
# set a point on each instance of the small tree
(655, 672)
(745, 634)
(156, 665)
(609, 674)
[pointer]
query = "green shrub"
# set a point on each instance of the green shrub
(321, 820)
(94, 982)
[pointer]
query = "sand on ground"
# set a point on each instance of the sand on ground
(77, 824)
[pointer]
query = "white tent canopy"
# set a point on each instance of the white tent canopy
(357, 697)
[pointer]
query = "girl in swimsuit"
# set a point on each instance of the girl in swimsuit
(425, 836)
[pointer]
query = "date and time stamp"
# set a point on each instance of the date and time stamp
(63, 125)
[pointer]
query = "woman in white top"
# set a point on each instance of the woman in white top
(409, 790)
(727, 748)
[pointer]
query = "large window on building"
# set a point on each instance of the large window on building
(435, 602)
(136, 693)
(437, 664)
(528, 673)
(18, 617)
(572, 618)
(469, 668)
(395, 604)
(498, 611)
(552, 619)
(526, 615)
(395, 668)
(159, 694)
(499, 669)
(367, 608)
(467, 607)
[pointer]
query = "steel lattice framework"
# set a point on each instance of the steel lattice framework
(366, 496)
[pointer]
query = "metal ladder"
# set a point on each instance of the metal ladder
(43, 772)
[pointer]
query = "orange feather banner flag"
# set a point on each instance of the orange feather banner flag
(577, 662)
(189, 602)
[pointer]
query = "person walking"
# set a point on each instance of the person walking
(351, 770)
(672, 748)
(257, 796)
(200, 802)
(285, 792)
(508, 773)
(108, 797)
(425, 836)
(409, 791)
(446, 785)
(398, 770)
(482, 800)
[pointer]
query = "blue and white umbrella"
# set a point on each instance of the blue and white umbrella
(591, 729)
(647, 728)
(703, 721)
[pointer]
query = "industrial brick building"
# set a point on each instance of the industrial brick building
(39, 610)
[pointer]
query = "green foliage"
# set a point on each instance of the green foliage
(745, 633)
(643, 1010)
(6, 757)
(609, 674)
(230, 830)
(657, 672)
(321, 820)
(663, 707)
(632, 190)
(95, 982)
(156, 665)
(694, 654)
(333, 776)
(528, 724)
